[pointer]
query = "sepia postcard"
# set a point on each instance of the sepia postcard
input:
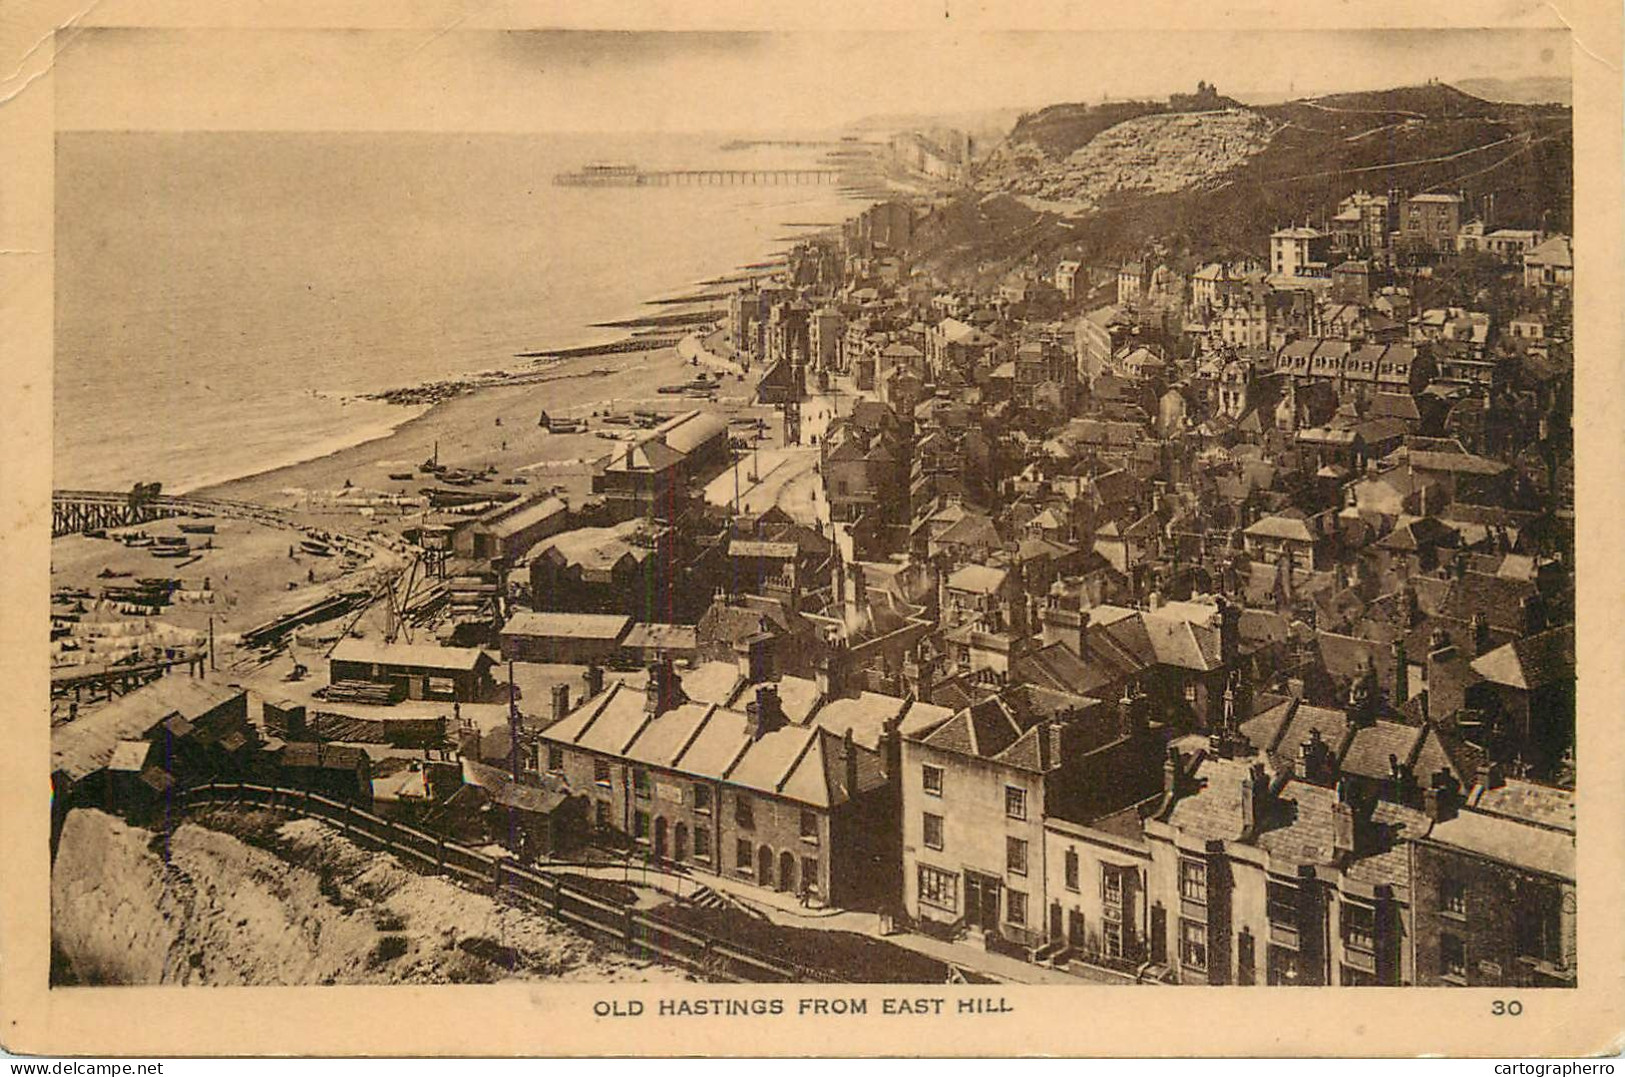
(753, 530)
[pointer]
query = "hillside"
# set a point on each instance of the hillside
(1529, 90)
(1221, 186)
(292, 903)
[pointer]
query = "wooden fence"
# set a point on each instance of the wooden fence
(570, 902)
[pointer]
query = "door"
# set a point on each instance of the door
(679, 842)
(787, 871)
(982, 901)
(764, 866)
(1159, 934)
(1055, 921)
(1074, 930)
(660, 838)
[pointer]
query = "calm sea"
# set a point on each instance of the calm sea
(220, 296)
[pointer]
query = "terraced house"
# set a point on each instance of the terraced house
(799, 807)
(979, 789)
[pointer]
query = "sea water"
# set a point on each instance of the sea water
(221, 299)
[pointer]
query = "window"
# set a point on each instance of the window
(600, 814)
(1015, 856)
(809, 826)
(932, 831)
(1360, 927)
(1453, 897)
(702, 799)
(744, 814)
(939, 889)
(1193, 945)
(1193, 880)
(932, 778)
(1111, 888)
(640, 783)
(742, 859)
(1281, 904)
(1015, 802)
(555, 758)
(702, 843)
(600, 772)
(1452, 957)
(1016, 907)
(640, 825)
(1072, 869)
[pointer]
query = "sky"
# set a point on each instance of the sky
(472, 79)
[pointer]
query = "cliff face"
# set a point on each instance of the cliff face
(295, 903)
(1157, 154)
(1102, 184)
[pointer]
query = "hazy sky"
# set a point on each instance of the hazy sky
(481, 80)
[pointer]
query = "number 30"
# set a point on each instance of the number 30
(1510, 1008)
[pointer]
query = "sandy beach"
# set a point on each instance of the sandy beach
(496, 425)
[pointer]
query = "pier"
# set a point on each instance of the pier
(75, 511)
(696, 177)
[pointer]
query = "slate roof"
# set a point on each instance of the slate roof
(1532, 662)
(1281, 527)
(1213, 811)
(419, 655)
(712, 682)
(801, 763)
(87, 743)
(1534, 848)
(1531, 802)
(659, 635)
(597, 626)
(986, 729)
(977, 579)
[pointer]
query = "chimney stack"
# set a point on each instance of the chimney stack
(1315, 759)
(849, 753)
(1402, 674)
(1229, 632)
(561, 701)
(764, 711)
(1255, 800)
(1170, 778)
(1345, 837)
(664, 691)
(1441, 798)
(1490, 776)
(1479, 626)
(594, 678)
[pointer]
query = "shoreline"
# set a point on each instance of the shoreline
(454, 409)
(495, 422)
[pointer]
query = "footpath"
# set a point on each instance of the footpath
(787, 911)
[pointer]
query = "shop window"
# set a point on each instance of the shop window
(939, 889)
